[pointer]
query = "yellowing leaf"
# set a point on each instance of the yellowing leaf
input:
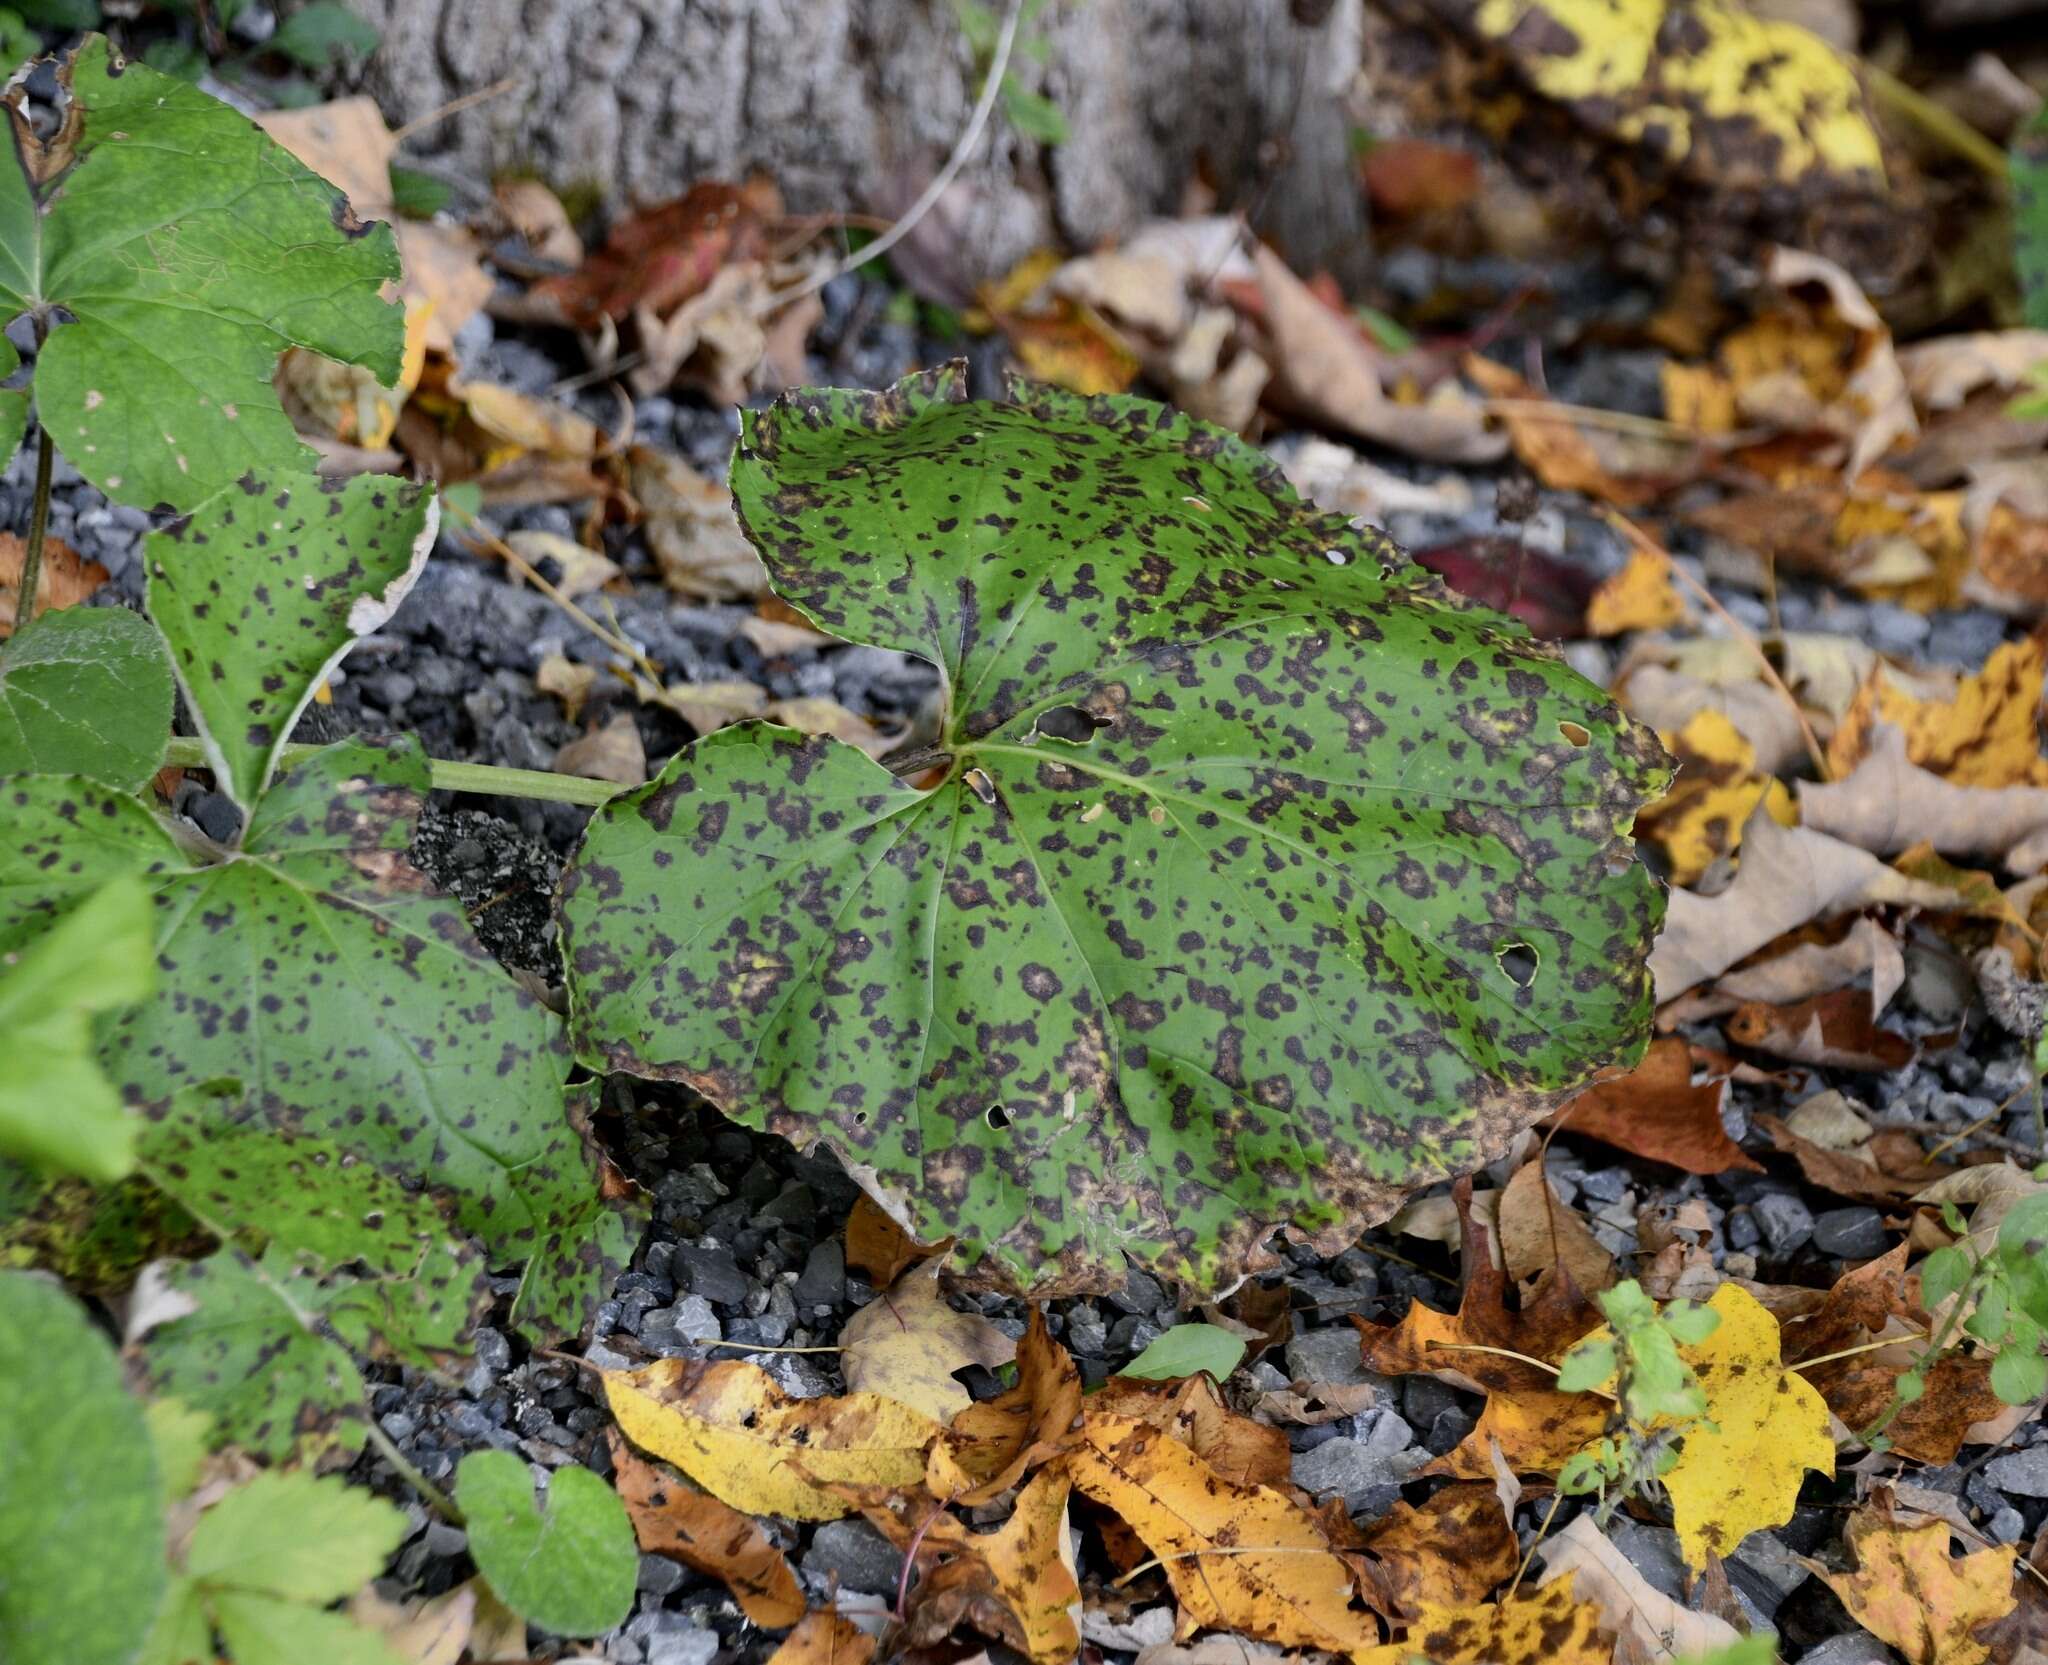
(1241, 1558)
(1907, 1590)
(1740, 1470)
(1016, 1583)
(696, 1529)
(906, 1343)
(739, 1436)
(1446, 1554)
(988, 1447)
(824, 1638)
(1546, 1626)
(1716, 788)
(1727, 96)
(1986, 735)
(1639, 597)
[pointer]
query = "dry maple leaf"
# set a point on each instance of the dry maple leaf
(739, 1436)
(906, 1343)
(1888, 804)
(707, 1536)
(990, 1446)
(1448, 1553)
(1547, 1625)
(1836, 1030)
(1658, 1111)
(1908, 1590)
(1242, 1558)
(1192, 1410)
(825, 1638)
(1986, 734)
(1016, 1584)
(1641, 596)
(1700, 818)
(1649, 1625)
(1538, 1231)
(64, 579)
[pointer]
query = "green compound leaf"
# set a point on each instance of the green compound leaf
(568, 1564)
(85, 691)
(1186, 1349)
(265, 1561)
(315, 964)
(57, 1111)
(263, 589)
(189, 249)
(1266, 881)
(81, 1506)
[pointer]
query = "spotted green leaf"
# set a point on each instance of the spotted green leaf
(1263, 881)
(85, 691)
(173, 250)
(263, 589)
(81, 1505)
(58, 1112)
(314, 964)
(569, 1562)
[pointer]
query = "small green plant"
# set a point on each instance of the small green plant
(1657, 1398)
(1995, 1294)
(568, 1562)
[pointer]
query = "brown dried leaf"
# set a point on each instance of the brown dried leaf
(1889, 804)
(1192, 1411)
(1539, 1231)
(877, 1247)
(907, 1343)
(825, 1638)
(1909, 1591)
(991, 1445)
(1657, 1111)
(1450, 1552)
(674, 1519)
(1835, 1031)
(63, 580)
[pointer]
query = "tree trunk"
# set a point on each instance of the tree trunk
(854, 104)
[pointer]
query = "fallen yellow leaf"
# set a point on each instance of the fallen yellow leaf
(1240, 1558)
(1641, 596)
(739, 1436)
(1907, 1590)
(1986, 735)
(1546, 1626)
(824, 1638)
(1016, 1583)
(989, 1446)
(702, 1533)
(1717, 786)
(906, 1343)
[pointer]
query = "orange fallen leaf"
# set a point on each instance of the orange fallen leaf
(64, 579)
(1718, 786)
(877, 1247)
(1015, 1584)
(1986, 735)
(1240, 1558)
(1560, 453)
(1908, 1590)
(825, 1638)
(705, 1535)
(1657, 1111)
(989, 1446)
(1450, 1552)
(1642, 596)
(1835, 1030)
(1192, 1410)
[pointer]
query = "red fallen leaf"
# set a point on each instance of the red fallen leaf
(1657, 1111)
(1836, 1030)
(1545, 594)
(661, 256)
(1415, 176)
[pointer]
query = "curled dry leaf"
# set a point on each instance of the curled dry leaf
(877, 1247)
(992, 1444)
(1889, 804)
(739, 1436)
(1877, 408)
(1907, 1590)
(825, 1638)
(1597, 461)
(1450, 1552)
(1985, 734)
(1881, 1169)
(1241, 1558)
(1700, 818)
(1658, 1111)
(1837, 1031)
(1544, 1625)
(1649, 1625)
(1016, 1584)
(615, 753)
(1789, 875)
(1192, 1411)
(907, 1343)
(1540, 1231)
(64, 579)
(676, 1520)
(691, 528)
(1811, 968)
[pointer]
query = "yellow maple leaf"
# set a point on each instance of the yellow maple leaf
(1641, 596)
(1241, 1558)
(1740, 1469)
(1546, 1626)
(1717, 785)
(1907, 1590)
(1985, 735)
(746, 1442)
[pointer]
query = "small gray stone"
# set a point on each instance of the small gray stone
(1785, 1221)
(712, 1274)
(1606, 1185)
(1366, 1476)
(659, 1576)
(1850, 1233)
(600, 1357)
(2022, 1474)
(1854, 1647)
(668, 1331)
(683, 1647)
(2008, 1526)
(1086, 1332)
(1450, 1425)
(822, 1282)
(1140, 1295)
(1327, 1355)
(855, 1555)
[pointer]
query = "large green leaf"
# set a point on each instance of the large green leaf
(262, 589)
(58, 1113)
(81, 1508)
(314, 965)
(2029, 178)
(568, 1564)
(1264, 882)
(187, 249)
(85, 691)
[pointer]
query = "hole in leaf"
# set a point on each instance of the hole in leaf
(998, 1118)
(1519, 961)
(1070, 723)
(1575, 734)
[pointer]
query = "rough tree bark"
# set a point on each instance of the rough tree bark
(853, 104)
